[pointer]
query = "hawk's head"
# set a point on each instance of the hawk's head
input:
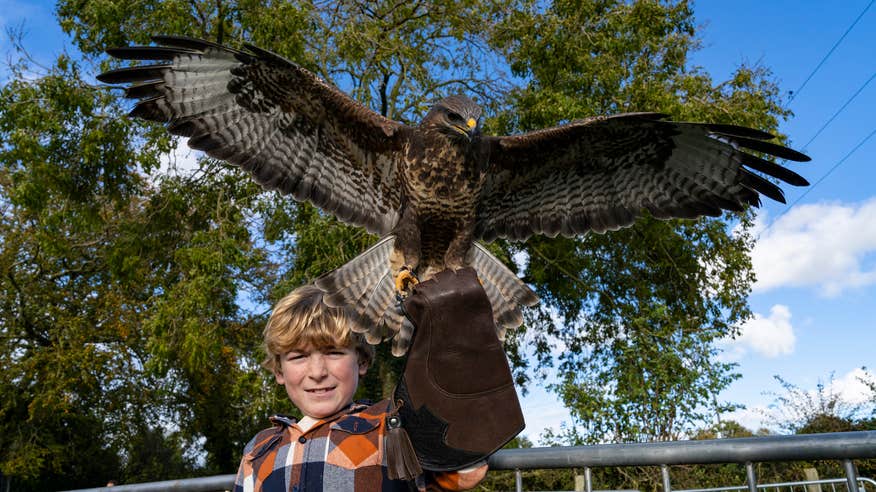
(456, 116)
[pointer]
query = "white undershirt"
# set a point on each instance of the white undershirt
(306, 423)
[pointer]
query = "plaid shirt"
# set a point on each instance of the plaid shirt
(344, 452)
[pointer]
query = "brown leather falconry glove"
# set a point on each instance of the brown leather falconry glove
(456, 398)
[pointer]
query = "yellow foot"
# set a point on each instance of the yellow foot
(405, 280)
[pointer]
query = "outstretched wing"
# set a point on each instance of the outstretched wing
(600, 174)
(292, 131)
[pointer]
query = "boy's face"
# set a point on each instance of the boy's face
(320, 382)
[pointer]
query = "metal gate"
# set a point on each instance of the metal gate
(843, 447)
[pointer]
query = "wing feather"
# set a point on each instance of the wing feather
(601, 173)
(292, 131)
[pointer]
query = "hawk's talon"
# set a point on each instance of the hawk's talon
(405, 280)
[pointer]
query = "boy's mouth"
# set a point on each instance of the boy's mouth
(320, 391)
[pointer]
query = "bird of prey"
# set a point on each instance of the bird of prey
(432, 191)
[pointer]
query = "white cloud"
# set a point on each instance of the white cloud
(828, 246)
(181, 160)
(770, 336)
(752, 418)
(850, 388)
(847, 389)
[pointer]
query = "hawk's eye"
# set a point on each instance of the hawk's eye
(454, 116)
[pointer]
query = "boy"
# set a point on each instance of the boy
(337, 445)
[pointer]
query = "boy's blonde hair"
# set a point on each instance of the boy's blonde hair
(301, 319)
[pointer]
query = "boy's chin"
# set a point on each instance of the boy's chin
(321, 414)
(322, 409)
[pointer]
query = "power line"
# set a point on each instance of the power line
(789, 207)
(849, 154)
(840, 110)
(840, 40)
(828, 122)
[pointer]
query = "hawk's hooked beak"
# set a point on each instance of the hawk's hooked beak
(469, 129)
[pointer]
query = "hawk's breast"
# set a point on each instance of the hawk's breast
(441, 180)
(442, 183)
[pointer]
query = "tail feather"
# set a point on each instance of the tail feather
(364, 286)
(493, 270)
(371, 307)
(376, 335)
(351, 292)
(507, 293)
(401, 342)
(351, 280)
(506, 314)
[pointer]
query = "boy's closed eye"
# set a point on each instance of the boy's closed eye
(294, 355)
(303, 354)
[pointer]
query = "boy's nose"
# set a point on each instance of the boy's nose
(317, 368)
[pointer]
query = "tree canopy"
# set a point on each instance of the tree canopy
(134, 296)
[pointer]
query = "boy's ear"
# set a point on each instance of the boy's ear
(363, 367)
(278, 376)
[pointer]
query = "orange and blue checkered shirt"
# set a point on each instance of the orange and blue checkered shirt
(344, 452)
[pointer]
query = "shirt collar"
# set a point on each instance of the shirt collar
(289, 421)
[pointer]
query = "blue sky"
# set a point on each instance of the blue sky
(815, 261)
(815, 299)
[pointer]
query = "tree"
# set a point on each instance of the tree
(799, 411)
(70, 357)
(119, 293)
(640, 308)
